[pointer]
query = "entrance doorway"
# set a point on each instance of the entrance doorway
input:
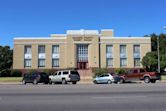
(82, 56)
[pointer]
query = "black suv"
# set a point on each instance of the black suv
(35, 78)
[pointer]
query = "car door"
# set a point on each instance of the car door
(101, 78)
(32, 77)
(129, 75)
(105, 78)
(58, 77)
(53, 78)
(132, 75)
(98, 79)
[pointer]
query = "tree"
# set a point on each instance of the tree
(150, 61)
(6, 56)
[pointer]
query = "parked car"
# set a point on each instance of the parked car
(65, 76)
(35, 78)
(105, 78)
(140, 74)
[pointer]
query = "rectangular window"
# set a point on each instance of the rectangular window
(109, 56)
(41, 62)
(55, 49)
(27, 50)
(82, 53)
(27, 63)
(41, 49)
(137, 62)
(137, 49)
(109, 62)
(109, 49)
(123, 62)
(55, 62)
(123, 49)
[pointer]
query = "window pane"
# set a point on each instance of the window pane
(41, 49)
(27, 50)
(55, 63)
(123, 49)
(136, 48)
(82, 53)
(41, 63)
(137, 62)
(27, 63)
(123, 62)
(109, 49)
(65, 73)
(109, 62)
(55, 49)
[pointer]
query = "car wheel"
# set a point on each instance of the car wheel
(23, 82)
(121, 81)
(153, 81)
(50, 82)
(74, 82)
(35, 82)
(147, 80)
(109, 82)
(63, 81)
(95, 82)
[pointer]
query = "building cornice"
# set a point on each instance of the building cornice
(38, 38)
(125, 38)
(30, 43)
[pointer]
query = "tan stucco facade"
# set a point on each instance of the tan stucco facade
(68, 43)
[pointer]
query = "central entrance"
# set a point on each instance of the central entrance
(82, 56)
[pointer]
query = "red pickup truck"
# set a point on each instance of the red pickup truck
(139, 74)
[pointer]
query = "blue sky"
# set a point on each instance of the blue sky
(40, 18)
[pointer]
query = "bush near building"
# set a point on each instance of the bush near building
(99, 71)
(120, 71)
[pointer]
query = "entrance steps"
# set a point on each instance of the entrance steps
(86, 75)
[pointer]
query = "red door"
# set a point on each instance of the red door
(82, 65)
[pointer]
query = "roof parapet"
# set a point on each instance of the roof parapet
(82, 32)
(107, 32)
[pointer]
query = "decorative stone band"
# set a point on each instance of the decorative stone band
(82, 32)
(29, 43)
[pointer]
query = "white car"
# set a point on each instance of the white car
(64, 77)
(104, 78)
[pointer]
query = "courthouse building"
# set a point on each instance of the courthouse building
(80, 49)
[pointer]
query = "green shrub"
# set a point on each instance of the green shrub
(16, 73)
(99, 71)
(32, 71)
(120, 71)
(5, 73)
(49, 71)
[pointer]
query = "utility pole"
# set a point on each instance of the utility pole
(158, 53)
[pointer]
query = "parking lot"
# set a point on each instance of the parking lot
(89, 97)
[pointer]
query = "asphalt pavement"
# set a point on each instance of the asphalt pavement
(114, 97)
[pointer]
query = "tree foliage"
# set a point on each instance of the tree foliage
(6, 56)
(150, 61)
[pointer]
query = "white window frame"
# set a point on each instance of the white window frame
(43, 64)
(27, 63)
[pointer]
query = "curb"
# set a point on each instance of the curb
(81, 82)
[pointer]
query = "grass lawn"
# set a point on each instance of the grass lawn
(163, 77)
(10, 79)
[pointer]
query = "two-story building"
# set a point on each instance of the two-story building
(80, 49)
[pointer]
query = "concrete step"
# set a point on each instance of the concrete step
(85, 74)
